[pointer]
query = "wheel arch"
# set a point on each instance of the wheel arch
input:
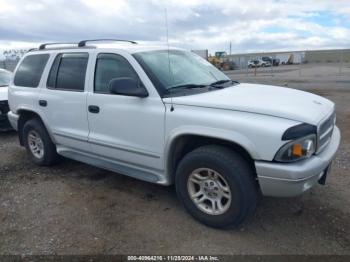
(182, 143)
(24, 116)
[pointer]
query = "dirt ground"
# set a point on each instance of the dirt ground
(74, 208)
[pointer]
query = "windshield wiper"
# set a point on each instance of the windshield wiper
(217, 84)
(220, 82)
(186, 86)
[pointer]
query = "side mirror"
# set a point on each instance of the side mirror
(127, 86)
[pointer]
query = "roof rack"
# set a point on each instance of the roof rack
(83, 43)
(43, 46)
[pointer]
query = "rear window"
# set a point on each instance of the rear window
(68, 72)
(30, 70)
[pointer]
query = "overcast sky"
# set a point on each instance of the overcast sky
(251, 25)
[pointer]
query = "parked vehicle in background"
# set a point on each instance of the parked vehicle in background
(271, 61)
(276, 61)
(5, 78)
(220, 54)
(289, 61)
(167, 116)
(258, 63)
(228, 65)
(253, 63)
(215, 61)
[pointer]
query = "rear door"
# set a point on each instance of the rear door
(63, 101)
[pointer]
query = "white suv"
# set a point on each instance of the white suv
(165, 115)
(258, 63)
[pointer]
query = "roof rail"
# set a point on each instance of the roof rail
(83, 43)
(43, 46)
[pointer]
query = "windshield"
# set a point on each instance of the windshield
(178, 68)
(5, 78)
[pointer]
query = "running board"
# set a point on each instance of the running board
(108, 164)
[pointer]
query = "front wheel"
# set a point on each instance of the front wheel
(216, 186)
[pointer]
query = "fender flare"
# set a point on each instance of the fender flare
(202, 131)
(41, 116)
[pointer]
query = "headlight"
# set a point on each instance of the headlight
(298, 149)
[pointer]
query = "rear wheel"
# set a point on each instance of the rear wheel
(38, 143)
(216, 186)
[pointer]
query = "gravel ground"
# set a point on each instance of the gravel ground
(74, 208)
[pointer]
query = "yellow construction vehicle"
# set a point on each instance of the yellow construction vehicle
(215, 61)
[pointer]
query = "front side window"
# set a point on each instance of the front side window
(30, 70)
(68, 72)
(108, 67)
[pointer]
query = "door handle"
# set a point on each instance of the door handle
(94, 109)
(42, 103)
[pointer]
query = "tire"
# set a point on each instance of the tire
(231, 169)
(38, 144)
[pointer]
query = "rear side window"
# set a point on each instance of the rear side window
(68, 72)
(108, 67)
(30, 70)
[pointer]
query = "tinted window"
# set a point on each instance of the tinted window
(109, 66)
(30, 70)
(68, 72)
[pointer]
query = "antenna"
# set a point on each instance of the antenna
(169, 64)
(166, 27)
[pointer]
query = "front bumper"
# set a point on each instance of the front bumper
(292, 179)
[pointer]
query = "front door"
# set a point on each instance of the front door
(129, 130)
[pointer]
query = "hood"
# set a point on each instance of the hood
(264, 99)
(3, 93)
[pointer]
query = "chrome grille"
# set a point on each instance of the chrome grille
(325, 132)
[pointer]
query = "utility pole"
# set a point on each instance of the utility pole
(230, 47)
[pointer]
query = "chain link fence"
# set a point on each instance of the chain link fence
(293, 69)
(326, 65)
